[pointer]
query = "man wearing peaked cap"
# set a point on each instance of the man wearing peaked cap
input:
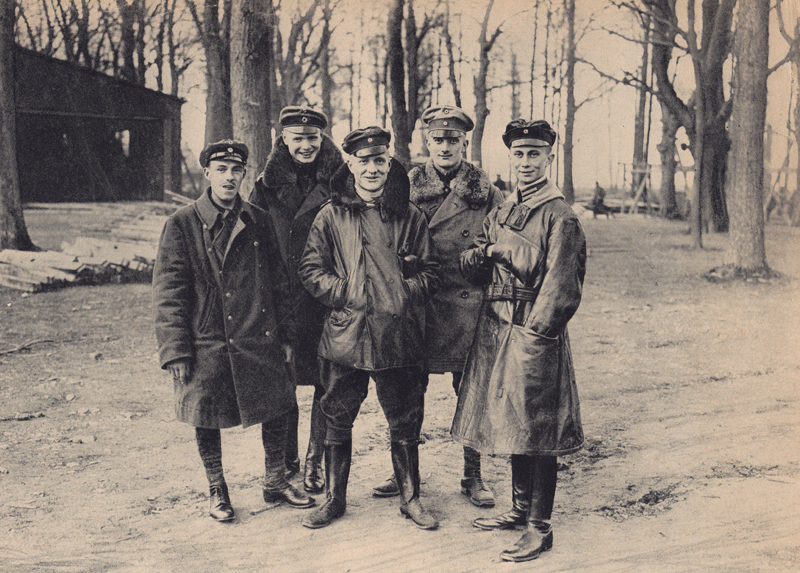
(530, 257)
(293, 186)
(454, 196)
(369, 259)
(219, 287)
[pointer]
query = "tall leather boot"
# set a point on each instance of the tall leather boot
(521, 487)
(337, 472)
(313, 478)
(276, 486)
(472, 482)
(292, 460)
(539, 536)
(405, 460)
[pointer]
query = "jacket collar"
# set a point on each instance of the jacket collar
(395, 193)
(279, 171)
(546, 193)
(208, 212)
(470, 184)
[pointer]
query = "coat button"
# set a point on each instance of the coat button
(209, 249)
(263, 310)
(255, 243)
(230, 340)
(267, 333)
(205, 226)
(230, 317)
(227, 295)
(464, 294)
(465, 233)
(389, 244)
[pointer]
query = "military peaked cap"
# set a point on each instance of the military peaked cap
(225, 150)
(368, 141)
(522, 132)
(302, 119)
(446, 121)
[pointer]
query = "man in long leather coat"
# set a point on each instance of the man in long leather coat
(219, 296)
(455, 197)
(294, 185)
(370, 260)
(518, 394)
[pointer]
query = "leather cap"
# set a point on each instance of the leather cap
(227, 150)
(442, 120)
(522, 132)
(302, 119)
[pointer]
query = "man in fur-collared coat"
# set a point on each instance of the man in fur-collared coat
(294, 185)
(455, 196)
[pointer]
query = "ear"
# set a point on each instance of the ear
(466, 144)
(206, 172)
(350, 160)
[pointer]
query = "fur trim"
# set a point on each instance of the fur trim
(279, 172)
(471, 184)
(395, 193)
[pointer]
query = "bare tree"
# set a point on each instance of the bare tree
(397, 84)
(13, 232)
(479, 88)
(568, 187)
(792, 55)
(746, 251)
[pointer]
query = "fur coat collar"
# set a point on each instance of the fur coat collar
(279, 172)
(395, 193)
(470, 184)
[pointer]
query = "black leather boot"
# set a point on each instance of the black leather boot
(539, 536)
(291, 458)
(387, 489)
(337, 472)
(313, 478)
(219, 504)
(276, 487)
(405, 460)
(521, 484)
(472, 482)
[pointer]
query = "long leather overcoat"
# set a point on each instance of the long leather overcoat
(518, 394)
(353, 264)
(455, 216)
(225, 319)
(292, 210)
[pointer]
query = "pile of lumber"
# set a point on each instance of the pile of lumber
(127, 254)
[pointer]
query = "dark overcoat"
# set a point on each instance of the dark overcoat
(455, 216)
(353, 264)
(292, 210)
(225, 319)
(518, 394)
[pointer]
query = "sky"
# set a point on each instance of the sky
(604, 126)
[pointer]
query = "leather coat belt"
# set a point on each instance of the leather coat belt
(509, 292)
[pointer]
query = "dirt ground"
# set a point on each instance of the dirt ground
(690, 395)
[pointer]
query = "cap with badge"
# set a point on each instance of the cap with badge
(446, 121)
(302, 119)
(368, 141)
(225, 150)
(522, 133)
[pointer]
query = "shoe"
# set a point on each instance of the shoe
(509, 520)
(313, 480)
(332, 509)
(405, 460)
(387, 489)
(219, 504)
(478, 493)
(535, 541)
(290, 495)
(521, 488)
(337, 473)
(313, 476)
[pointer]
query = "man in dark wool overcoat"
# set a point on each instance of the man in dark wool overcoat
(219, 292)
(518, 395)
(294, 185)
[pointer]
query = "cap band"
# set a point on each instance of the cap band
(445, 133)
(226, 155)
(369, 151)
(529, 143)
(302, 129)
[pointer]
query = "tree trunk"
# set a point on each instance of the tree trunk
(669, 127)
(639, 154)
(13, 233)
(746, 245)
(326, 81)
(451, 62)
(251, 58)
(219, 120)
(568, 188)
(479, 87)
(795, 199)
(397, 77)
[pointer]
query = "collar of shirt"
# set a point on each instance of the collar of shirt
(525, 192)
(448, 177)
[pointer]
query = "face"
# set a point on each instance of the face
(370, 172)
(446, 152)
(303, 147)
(225, 178)
(530, 163)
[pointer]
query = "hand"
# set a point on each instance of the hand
(500, 253)
(470, 261)
(181, 370)
(410, 265)
(288, 353)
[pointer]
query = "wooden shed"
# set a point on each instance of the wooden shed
(86, 136)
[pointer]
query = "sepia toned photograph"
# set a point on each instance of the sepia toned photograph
(334, 286)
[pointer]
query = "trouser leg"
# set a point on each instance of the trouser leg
(345, 391)
(209, 445)
(291, 457)
(472, 481)
(405, 460)
(337, 472)
(313, 479)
